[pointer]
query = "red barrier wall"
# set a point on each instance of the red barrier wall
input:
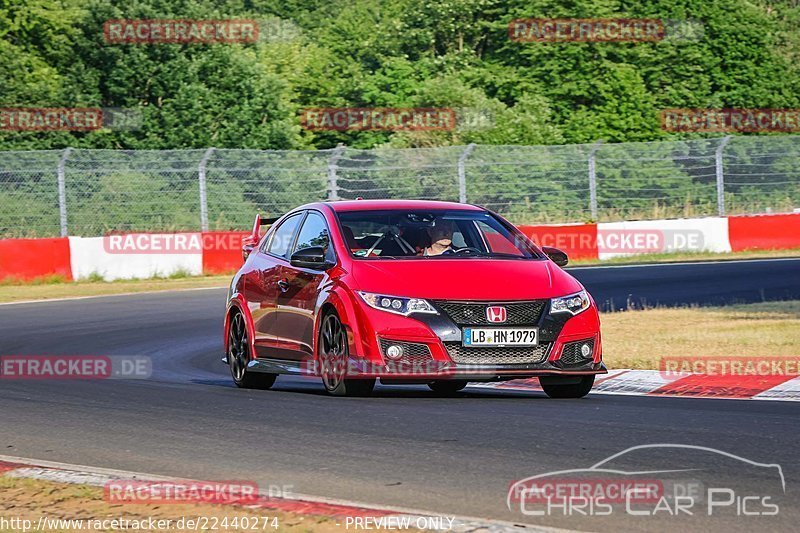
(579, 241)
(34, 258)
(222, 251)
(764, 232)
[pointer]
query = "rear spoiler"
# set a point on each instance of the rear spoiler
(251, 241)
(268, 221)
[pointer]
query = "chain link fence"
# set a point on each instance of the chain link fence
(91, 192)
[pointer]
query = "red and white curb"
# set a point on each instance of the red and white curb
(300, 504)
(656, 383)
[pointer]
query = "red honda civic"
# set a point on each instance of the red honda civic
(408, 292)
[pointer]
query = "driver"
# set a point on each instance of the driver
(441, 234)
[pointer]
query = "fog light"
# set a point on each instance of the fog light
(394, 352)
(586, 350)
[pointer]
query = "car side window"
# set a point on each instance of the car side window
(315, 232)
(282, 238)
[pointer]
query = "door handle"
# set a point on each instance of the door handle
(284, 284)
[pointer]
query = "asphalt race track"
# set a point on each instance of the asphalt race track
(402, 447)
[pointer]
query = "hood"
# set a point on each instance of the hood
(464, 279)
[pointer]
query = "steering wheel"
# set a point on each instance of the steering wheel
(468, 250)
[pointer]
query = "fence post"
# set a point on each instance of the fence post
(593, 179)
(462, 173)
(333, 187)
(720, 176)
(201, 179)
(62, 191)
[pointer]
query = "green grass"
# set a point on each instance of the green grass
(639, 339)
(29, 499)
(43, 280)
(94, 277)
(39, 290)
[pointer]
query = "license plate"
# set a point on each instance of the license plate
(500, 337)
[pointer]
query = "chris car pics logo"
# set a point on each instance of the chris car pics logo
(667, 480)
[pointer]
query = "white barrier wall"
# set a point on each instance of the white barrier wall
(681, 235)
(89, 255)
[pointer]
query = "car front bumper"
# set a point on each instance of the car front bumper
(432, 347)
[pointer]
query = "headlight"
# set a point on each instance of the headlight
(397, 304)
(573, 304)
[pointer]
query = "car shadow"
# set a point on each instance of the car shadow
(404, 392)
(313, 387)
(415, 392)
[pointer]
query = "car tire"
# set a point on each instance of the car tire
(576, 390)
(239, 355)
(333, 357)
(447, 387)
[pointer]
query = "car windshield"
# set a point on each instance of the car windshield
(394, 234)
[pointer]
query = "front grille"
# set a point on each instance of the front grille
(474, 314)
(413, 353)
(497, 355)
(571, 353)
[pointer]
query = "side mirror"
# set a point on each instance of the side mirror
(311, 257)
(557, 256)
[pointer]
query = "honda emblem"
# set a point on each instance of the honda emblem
(496, 313)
